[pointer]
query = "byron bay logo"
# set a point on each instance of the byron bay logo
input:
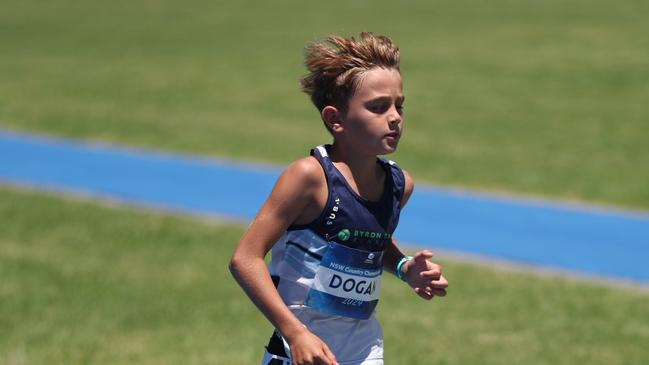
(344, 234)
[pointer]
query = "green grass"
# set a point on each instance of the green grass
(89, 284)
(535, 97)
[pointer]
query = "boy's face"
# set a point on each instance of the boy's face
(373, 120)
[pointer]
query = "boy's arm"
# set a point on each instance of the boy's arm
(424, 276)
(295, 192)
(392, 253)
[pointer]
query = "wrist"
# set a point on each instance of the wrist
(399, 268)
(294, 332)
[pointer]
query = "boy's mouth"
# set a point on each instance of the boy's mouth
(393, 135)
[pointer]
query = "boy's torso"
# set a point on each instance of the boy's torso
(311, 263)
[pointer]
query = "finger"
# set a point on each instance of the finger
(330, 356)
(433, 273)
(420, 261)
(422, 256)
(440, 283)
(437, 285)
(422, 293)
(438, 292)
(322, 360)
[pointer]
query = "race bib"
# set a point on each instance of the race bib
(347, 282)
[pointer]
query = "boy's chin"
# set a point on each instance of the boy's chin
(386, 150)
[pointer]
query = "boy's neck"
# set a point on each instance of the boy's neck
(360, 164)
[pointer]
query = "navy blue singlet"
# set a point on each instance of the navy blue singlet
(334, 263)
(328, 271)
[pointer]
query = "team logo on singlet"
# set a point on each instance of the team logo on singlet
(344, 234)
(370, 258)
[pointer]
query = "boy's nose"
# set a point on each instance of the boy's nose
(394, 116)
(394, 119)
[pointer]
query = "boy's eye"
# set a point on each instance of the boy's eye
(378, 108)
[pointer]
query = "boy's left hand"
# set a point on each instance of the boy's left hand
(425, 276)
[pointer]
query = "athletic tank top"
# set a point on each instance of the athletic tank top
(328, 271)
(333, 265)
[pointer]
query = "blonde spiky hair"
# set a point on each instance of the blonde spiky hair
(336, 65)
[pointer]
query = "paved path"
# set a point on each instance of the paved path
(592, 241)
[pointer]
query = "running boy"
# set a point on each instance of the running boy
(330, 217)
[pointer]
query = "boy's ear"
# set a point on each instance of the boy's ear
(332, 118)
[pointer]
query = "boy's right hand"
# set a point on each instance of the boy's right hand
(425, 276)
(309, 349)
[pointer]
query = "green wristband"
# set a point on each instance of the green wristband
(397, 270)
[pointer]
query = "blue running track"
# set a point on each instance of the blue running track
(593, 241)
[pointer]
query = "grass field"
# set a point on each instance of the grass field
(89, 284)
(536, 97)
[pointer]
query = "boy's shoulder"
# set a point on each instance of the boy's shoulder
(307, 171)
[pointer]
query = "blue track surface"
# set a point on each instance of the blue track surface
(605, 243)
